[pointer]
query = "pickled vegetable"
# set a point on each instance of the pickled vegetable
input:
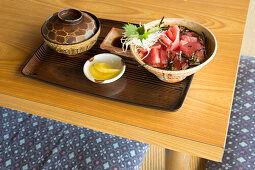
(102, 71)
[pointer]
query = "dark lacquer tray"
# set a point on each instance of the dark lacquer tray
(136, 86)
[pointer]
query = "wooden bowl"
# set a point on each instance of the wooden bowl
(71, 31)
(176, 76)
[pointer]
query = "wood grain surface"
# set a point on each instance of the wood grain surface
(155, 159)
(249, 33)
(198, 128)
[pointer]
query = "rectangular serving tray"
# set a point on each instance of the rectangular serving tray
(136, 86)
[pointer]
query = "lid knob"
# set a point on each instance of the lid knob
(70, 16)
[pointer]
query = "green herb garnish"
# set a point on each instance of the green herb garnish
(141, 33)
(130, 30)
(161, 21)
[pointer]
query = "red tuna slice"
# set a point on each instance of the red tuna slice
(170, 35)
(189, 38)
(191, 34)
(175, 31)
(153, 59)
(176, 64)
(166, 42)
(164, 57)
(143, 51)
(174, 34)
(157, 45)
(182, 43)
(191, 47)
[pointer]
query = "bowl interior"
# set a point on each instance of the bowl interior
(211, 43)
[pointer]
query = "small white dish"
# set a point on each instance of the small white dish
(112, 60)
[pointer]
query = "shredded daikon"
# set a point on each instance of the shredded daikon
(145, 43)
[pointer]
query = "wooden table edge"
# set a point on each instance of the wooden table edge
(168, 141)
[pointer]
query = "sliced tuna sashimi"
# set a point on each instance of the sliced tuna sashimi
(153, 59)
(177, 64)
(175, 37)
(166, 42)
(182, 43)
(175, 31)
(164, 57)
(191, 47)
(189, 38)
(175, 42)
(157, 45)
(190, 34)
(145, 52)
(170, 34)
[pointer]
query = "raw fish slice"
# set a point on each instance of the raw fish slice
(190, 43)
(189, 38)
(164, 57)
(191, 47)
(176, 63)
(165, 40)
(153, 59)
(173, 34)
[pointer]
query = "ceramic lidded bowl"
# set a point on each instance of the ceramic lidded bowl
(176, 76)
(71, 31)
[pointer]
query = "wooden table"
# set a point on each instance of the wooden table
(198, 128)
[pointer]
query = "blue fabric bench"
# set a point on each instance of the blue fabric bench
(240, 145)
(32, 142)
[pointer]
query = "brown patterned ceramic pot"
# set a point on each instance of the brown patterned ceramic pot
(70, 31)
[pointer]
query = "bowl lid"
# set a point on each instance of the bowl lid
(69, 26)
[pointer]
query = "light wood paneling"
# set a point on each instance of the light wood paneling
(248, 46)
(158, 158)
(155, 159)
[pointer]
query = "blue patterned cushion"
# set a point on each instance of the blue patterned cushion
(240, 145)
(32, 142)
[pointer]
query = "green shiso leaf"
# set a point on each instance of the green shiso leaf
(130, 30)
(144, 36)
(141, 33)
